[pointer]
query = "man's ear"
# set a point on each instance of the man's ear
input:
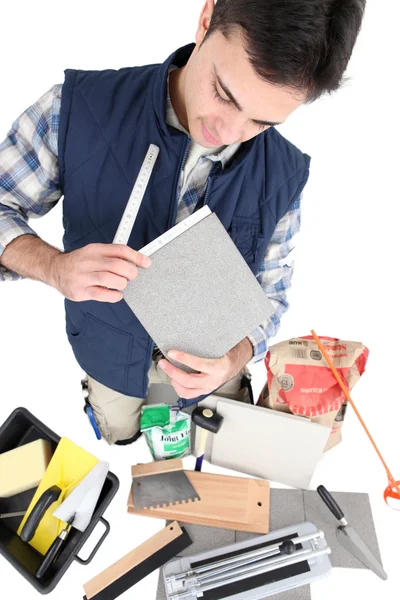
(204, 21)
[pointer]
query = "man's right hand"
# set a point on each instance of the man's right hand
(96, 272)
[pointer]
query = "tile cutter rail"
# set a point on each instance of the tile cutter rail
(253, 569)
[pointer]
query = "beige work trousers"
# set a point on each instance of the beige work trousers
(118, 416)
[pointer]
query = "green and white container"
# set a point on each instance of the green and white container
(167, 431)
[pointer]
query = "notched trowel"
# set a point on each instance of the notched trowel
(160, 484)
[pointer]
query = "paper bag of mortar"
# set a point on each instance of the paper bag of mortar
(300, 382)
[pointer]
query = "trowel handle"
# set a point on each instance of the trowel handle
(330, 502)
(51, 554)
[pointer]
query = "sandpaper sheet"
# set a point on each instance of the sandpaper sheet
(289, 507)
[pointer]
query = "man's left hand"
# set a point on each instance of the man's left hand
(212, 372)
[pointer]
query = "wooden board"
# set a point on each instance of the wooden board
(228, 502)
(158, 467)
(132, 560)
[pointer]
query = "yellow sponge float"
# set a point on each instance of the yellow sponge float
(22, 468)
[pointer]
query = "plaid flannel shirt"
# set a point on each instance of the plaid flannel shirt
(30, 187)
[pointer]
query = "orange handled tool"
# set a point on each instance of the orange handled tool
(393, 489)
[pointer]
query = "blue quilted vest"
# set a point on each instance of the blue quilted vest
(108, 119)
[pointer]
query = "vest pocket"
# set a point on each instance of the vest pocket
(102, 351)
(245, 233)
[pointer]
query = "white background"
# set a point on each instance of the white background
(346, 277)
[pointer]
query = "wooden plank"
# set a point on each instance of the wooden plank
(132, 560)
(155, 468)
(237, 503)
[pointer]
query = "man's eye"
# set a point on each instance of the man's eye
(218, 97)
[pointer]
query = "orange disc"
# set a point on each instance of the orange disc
(391, 492)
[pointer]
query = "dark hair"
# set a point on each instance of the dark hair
(303, 44)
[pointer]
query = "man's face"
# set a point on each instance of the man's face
(215, 118)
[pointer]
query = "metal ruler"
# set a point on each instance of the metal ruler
(172, 233)
(135, 200)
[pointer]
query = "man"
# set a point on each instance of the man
(211, 108)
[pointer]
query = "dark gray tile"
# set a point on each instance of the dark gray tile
(357, 510)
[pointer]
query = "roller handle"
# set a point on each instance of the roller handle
(330, 502)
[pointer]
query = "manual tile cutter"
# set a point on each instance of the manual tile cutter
(253, 569)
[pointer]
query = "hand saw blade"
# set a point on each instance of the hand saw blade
(163, 489)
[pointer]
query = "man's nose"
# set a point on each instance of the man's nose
(230, 129)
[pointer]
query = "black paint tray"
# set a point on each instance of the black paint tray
(20, 428)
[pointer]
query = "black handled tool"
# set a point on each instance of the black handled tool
(54, 550)
(349, 538)
(33, 520)
(208, 420)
